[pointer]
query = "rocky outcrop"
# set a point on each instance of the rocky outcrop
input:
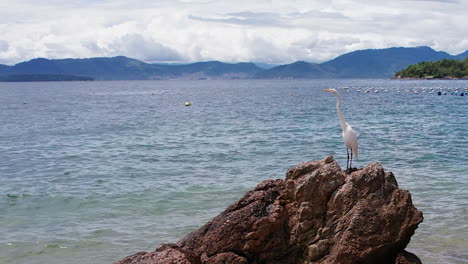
(318, 214)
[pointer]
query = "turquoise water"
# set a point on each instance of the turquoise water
(93, 171)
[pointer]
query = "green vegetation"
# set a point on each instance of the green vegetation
(42, 78)
(438, 69)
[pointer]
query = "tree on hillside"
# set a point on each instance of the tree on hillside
(445, 68)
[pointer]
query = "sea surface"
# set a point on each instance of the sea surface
(91, 172)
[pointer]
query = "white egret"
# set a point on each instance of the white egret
(349, 136)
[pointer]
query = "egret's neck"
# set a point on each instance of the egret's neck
(340, 113)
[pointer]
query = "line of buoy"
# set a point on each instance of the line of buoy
(414, 90)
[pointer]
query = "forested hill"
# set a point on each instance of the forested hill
(438, 69)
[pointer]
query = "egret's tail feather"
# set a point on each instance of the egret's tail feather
(355, 152)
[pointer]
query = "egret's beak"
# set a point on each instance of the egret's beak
(327, 90)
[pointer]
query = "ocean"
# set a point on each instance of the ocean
(91, 172)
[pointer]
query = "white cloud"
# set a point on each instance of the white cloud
(143, 49)
(3, 46)
(263, 31)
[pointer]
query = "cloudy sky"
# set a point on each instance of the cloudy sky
(267, 31)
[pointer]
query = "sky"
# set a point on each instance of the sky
(184, 31)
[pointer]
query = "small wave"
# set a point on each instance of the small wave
(16, 196)
(55, 246)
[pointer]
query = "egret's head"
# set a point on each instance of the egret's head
(331, 91)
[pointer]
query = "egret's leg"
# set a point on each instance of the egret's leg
(347, 161)
(351, 160)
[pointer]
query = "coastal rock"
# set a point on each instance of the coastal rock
(318, 214)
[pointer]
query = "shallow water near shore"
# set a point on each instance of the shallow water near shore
(91, 172)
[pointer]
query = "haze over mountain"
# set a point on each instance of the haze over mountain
(371, 63)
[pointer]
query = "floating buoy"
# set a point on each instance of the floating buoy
(188, 104)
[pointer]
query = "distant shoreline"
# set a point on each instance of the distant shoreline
(43, 78)
(428, 78)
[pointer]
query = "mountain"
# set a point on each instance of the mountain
(370, 63)
(381, 62)
(266, 66)
(216, 68)
(296, 70)
(116, 68)
(462, 56)
(123, 68)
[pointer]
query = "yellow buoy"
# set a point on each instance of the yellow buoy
(187, 104)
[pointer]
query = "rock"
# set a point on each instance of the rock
(167, 253)
(318, 214)
(404, 257)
